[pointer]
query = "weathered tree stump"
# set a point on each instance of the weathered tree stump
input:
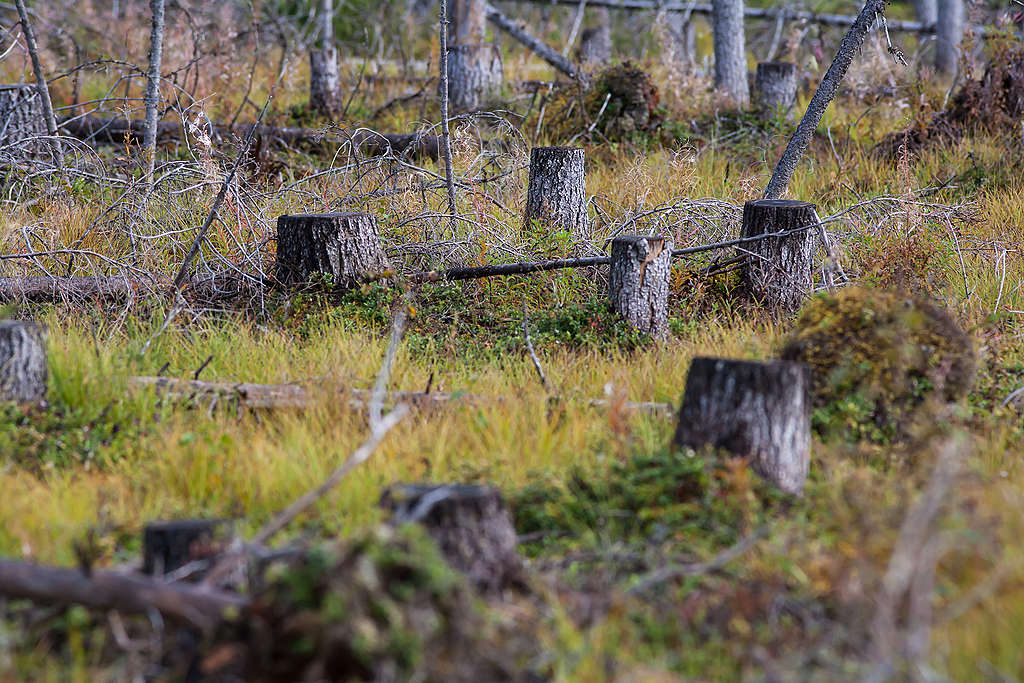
(342, 247)
(730, 50)
(470, 524)
(22, 361)
(759, 411)
(475, 74)
(596, 41)
(557, 194)
(324, 82)
(775, 90)
(777, 270)
(638, 282)
(949, 32)
(170, 545)
(21, 114)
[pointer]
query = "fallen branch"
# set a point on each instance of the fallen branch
(536, 45)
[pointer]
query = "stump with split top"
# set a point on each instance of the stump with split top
(557, 194)
(759, 411)
(776, 272)
(22, 361)
(775, 90)
(344, 247)
(638, 282)
(471, 525)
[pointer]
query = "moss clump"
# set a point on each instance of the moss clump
(877, 357)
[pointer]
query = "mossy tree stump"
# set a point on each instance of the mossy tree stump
(777, 270)
(22, 361)
(557, 194)
(775, 90)
(344, 248)
(638, 282)
(759, 411)
(471, 525)
(21, 114)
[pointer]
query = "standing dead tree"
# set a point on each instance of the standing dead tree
(949, 34)
(730, 50)
(324, 80)
(156, 50)
(475, 70)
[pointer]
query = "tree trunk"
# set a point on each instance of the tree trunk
(535, 45)
(156, 49)
(42, 85)
(638, 282)
(730, 50)
(344, 248)
(682, 38)
(759, 411)
(557, 194)
(596, 41)
(324, 80)
(777, 270)
(475, 74)
(168, 546)
(22, 361)
(21, 115)
(949, 29)
(927, 11)
(470, 524)
(775, 90)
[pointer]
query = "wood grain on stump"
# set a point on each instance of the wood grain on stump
(777, 270)
(22, 361)
(170, 545)
(471, 525)
(557, 194)
(475, 74)
(775, 90)
(759, 411)
(638, 282)
(344, 247)
(21, 114)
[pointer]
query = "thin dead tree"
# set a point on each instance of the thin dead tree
(324, 79)
(446, 136)
(156, 50)
(44, 90)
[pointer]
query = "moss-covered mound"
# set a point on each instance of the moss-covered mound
(877, 359)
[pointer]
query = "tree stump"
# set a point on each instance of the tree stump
(596, 41)
(777, 270)
(638, 282)
(557, 194)
(775, 90)
(170, 545)
(22, 361)
(324, 82)
(949, 33)
(21, 114)
(342, 247)
(475, 74)
(471, 525)
(759, 411)
(730, 50)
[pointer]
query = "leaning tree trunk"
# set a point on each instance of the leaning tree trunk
(470, 524)
(759, 411)
(638, 280)
(776, 272)
(22, 361)
(474, 65)
(557, 195)
(730, 50)
(343, 249)
(596, 41)
(21, 115)
(170, 545)
(775, 90)
(324, 80)
(949, 32)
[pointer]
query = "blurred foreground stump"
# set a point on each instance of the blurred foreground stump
(775, 90)
(638, 282)
(170, 545)
(471, 525)
(557, 194)
(777, 270)
(759, 411)
(343, 248)
(21, 114)
(22, 361)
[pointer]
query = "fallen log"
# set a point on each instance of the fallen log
(41, 289)
(536, 45)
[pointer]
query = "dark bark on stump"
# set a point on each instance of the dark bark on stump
(22, 361)
(775, 90)
(638, 282)
(557, 194)
(471, 525)
(342, 246)
(168, 546)
(596, 41)
(777, 270)
(759, 411)
(475, 74)
(21, 114)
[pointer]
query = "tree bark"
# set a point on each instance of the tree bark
(446, 136)
(557, 195)
(22, 361)
(475, 74)
(470, 524)
(156, 49)
(638, 282)
(343, 247)
(324, 79)
(777, 273)
(759, 411)
(596, 41)
(170, 545)
(949, 35)
(730, 50)
(42, 86)
(927, 11)
(21, 115)
(775, 90)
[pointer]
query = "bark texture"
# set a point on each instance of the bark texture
(471, 525)
(775, 90)
(170, 545)
(949, 30)
(21, 115)
(469, 21)
(324, 82)
(42, 85)
(927, 11)
(730, 50)
(557, 194)
(156, 50)
(777, 270)
(345, 247)
(475, 74)
(596, 41)
(638, 282)
(22, 361)
(759, 411)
